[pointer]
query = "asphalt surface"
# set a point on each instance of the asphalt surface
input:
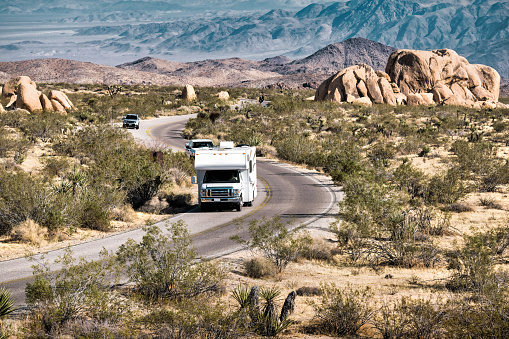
(300, 197)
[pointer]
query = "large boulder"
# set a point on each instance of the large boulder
(357, 82)
(28, 98)
(45, 102)
(9, 88)
(444, 73)
(62, 98)
(223, 95)
(188, 93)
(24, 95)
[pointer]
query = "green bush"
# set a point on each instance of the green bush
(259, 267)
(166, 267)
(275, 241)
(343, 311)
(79, 290)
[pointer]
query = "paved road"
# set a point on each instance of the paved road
(296, 195)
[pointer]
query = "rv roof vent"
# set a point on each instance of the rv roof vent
(226, 144)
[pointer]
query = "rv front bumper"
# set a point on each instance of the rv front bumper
(226, 200)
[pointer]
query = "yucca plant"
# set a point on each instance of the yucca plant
(241, 295)
(6, 307)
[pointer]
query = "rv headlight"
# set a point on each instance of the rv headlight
(203, 193)
(236, 192)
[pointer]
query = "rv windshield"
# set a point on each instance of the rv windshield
(200, 144)
(224, 176)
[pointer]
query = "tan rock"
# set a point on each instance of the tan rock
(364, 101)
(57, 106)
(427, 98)
(395, 88)
(454, 100)
(374, 92)
(458, 91)
(223, 95)
(360, 73)
(349, 83)
(188, 93)
(345, 81)
(414, 99)
(387, 92)
(12, 101)
(422, 71)
(474, 78)
(490, 80)
(489, 104)
(401, 99)
(350, 98)
(28, 97)
(362, 89)
(501, 105)
(336, 96)
(45, 102)
(440, 93)
(2, 109)
(62, 98)
(382, 74)
(482, 94)
(9, 88)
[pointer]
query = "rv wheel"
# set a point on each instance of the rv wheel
(238, 207)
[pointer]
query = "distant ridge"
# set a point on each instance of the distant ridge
(278, 71)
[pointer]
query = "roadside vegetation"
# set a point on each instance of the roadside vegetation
(420, 248)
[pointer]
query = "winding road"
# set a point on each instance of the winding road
(299, 196)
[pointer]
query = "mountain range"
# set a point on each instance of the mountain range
(230, 72)
(199, 30)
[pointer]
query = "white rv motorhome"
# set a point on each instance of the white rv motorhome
(226, 176)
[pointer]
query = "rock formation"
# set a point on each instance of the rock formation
(223, 95)
(416, 78)
(188, 93)
(358, 84)
(23, 94)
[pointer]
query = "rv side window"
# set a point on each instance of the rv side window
(250, 166)
(225, 176)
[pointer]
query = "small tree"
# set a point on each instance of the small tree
(167, 267)
(273, 238)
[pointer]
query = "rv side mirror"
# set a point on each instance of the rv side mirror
(193, 180)
(187, 145)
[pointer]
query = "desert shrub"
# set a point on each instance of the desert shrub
(459, 207)
(343, 311)
(259, 267)
(124, 213)
(55, 166)
(473, 265)
(179, 200)
(165, 267)
(478, 161)
(22, 197)
(79, 290)
(307, 291)
(44, 126)
(296, 148)
(412, 180)
(381, 153)
(275, 241)
(489, 202)
(193, 318)
(29, 231)
(94, 213)
(408, 318)
(370, 205)
(446, 188)
(486, 318)
(317, 250)
(6, 308)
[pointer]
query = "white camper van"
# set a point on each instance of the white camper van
(226, 176)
